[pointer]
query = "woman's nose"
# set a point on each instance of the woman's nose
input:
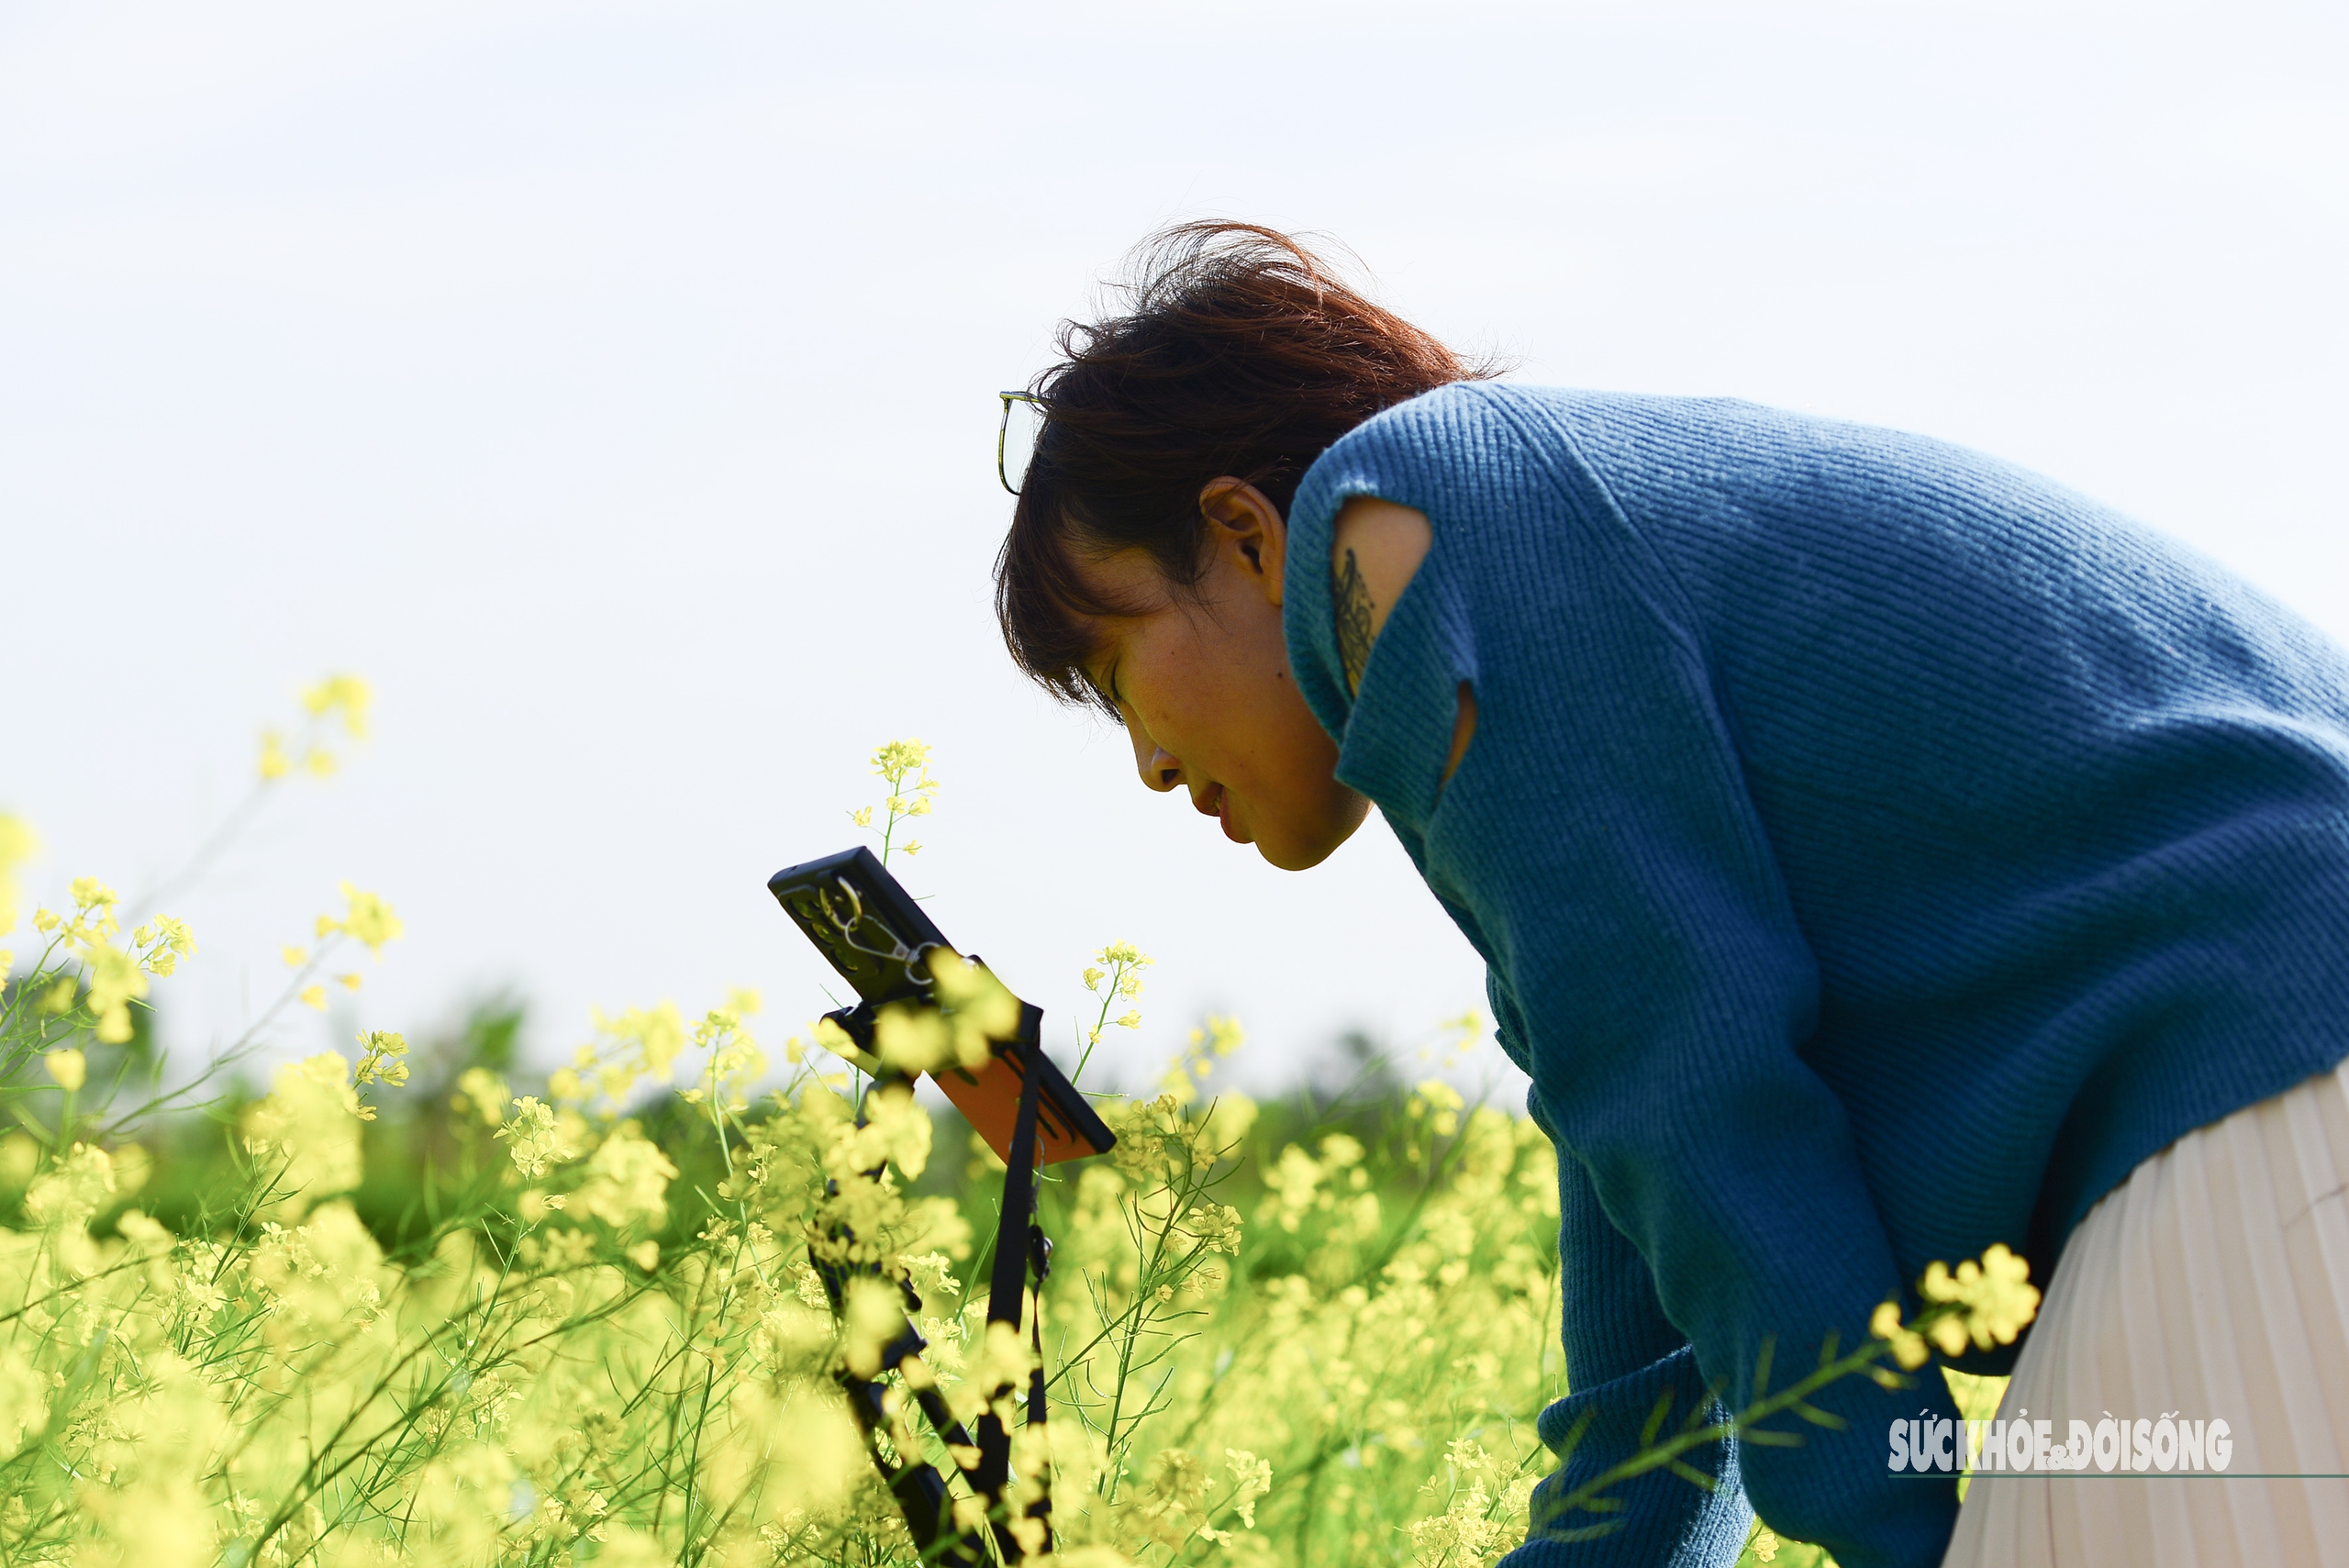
(1161, 769)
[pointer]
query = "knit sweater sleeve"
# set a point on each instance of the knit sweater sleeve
(1599, 833)
(1622, 1356)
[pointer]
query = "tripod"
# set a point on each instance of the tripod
(880, 940)
(1022, 1260)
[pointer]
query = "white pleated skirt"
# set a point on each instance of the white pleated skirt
(2213, 1285)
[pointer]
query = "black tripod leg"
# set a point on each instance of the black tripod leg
(1040, 1262)
(1008, 1282)
(919, 1490)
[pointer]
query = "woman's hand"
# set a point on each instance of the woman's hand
(1375, 552)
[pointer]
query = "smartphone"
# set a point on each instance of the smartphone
(869, 928)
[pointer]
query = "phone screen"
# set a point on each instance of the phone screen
(867, 927)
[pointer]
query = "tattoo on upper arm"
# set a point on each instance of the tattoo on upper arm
(1353, 611)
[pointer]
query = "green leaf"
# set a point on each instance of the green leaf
(1762, 1365)
(1763, 1437)
(1687, 1472)
(17, 1108)
(1819, 1418)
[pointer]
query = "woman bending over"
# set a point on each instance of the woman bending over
(1879, 851)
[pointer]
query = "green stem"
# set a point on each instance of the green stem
(1109, 997)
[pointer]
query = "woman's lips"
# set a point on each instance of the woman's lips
(1217, 802)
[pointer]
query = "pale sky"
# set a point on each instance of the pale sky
(613, 386)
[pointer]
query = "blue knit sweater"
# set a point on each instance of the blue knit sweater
(1878, 849)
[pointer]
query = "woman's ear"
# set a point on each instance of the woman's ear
(1246, 528)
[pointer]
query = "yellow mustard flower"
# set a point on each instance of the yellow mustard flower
(893, 759)
(628, 1181)
(19, 843)
(482, 1094)
(346, 696)
(166, 941)
(1995, 1299)
(1438, 1102)
(531, 1138)
(368, 918)
(1907, 1345)
(380, 1061)
(115, 980)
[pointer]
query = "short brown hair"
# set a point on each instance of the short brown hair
(1241, 353)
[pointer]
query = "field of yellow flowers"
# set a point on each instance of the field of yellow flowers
(389, 1306)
